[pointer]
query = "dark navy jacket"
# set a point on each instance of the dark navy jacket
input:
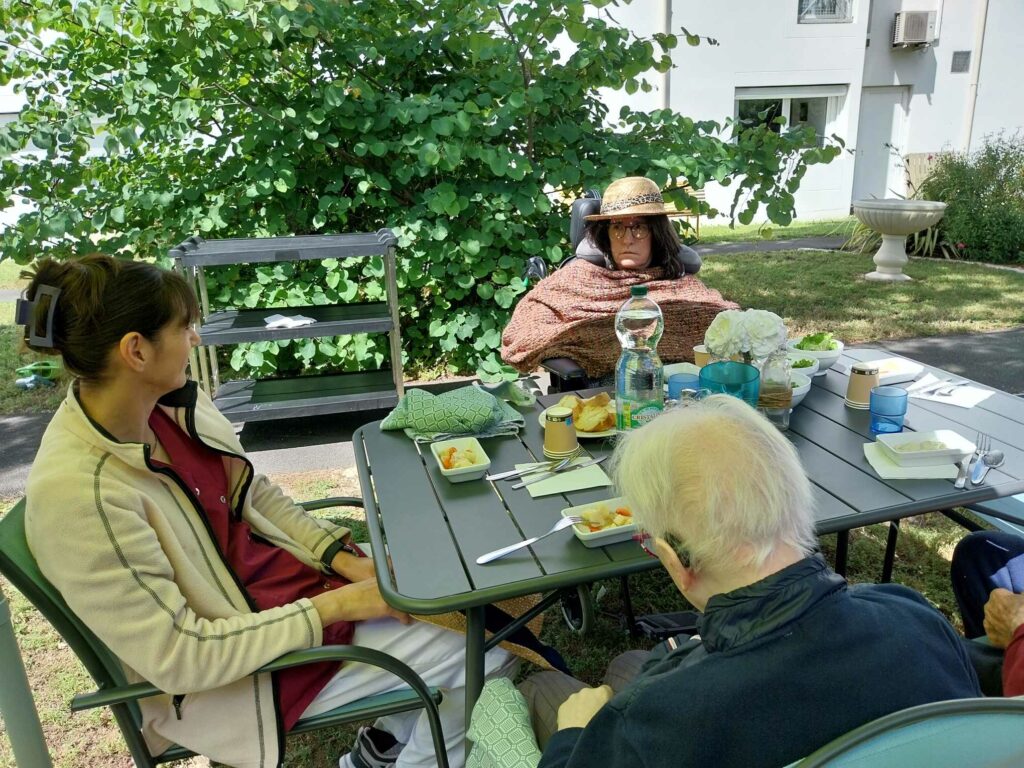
(784, 666)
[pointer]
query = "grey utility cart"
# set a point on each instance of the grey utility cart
(262, 399)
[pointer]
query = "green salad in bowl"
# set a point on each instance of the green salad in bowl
(817, 342)
(821, 348)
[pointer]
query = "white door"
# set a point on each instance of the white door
(878, 165)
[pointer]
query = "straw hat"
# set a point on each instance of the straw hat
(633, 196)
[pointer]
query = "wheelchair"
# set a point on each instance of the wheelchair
(566, 374)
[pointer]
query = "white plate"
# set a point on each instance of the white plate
(957, 448)
(607, 535)
(579, 434)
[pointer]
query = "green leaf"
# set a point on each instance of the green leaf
(429, 155)
(254, 358)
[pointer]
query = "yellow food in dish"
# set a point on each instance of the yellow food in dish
(453, 458)
(920, 445)
(601, 516)
(593, 414)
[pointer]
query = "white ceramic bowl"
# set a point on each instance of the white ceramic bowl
(611, 535)
(797, 354)
(462, 474)
(904, 449)
(803, 386)
(826, 359)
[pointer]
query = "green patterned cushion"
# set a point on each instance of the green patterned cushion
(500, 729)
(463, 411)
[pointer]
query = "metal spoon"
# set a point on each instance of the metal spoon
(989, 461)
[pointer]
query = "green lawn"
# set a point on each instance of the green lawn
(9, 272)
(721, 233)
(825, 291)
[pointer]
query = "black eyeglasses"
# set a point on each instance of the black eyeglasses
(645, 540)
(640, 231)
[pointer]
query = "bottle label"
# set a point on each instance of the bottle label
(633, 414)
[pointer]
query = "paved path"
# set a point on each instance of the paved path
(9, 294)
(813, 243)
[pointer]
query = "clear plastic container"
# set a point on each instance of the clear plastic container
(776, 396)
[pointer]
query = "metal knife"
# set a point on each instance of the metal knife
(546, 475)
(978, 470)
(961, 476)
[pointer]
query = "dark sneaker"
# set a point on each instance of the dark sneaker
(374, 748)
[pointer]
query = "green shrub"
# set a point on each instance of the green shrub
(458, 124)
(984, 192)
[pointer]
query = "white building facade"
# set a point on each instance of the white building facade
(954, 75)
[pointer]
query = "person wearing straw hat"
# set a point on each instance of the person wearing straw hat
(571, 312)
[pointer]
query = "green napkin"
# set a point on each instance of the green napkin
(500, 729)
(565, 482)
(459, 412)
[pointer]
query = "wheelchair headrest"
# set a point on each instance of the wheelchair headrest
(587, 205)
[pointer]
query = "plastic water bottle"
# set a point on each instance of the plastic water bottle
(639, 393)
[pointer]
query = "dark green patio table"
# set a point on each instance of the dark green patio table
(433, 530)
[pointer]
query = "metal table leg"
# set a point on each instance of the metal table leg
(16, 705)
(842, 545)
(474, 660)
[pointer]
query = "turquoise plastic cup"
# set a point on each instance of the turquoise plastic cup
(731, 378)
(888, 406)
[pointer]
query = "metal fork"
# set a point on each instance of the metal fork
(565, 522)
(949, 389)
(549, 466)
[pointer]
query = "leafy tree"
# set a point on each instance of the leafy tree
(458, 124)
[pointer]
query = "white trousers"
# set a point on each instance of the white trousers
(439, 657)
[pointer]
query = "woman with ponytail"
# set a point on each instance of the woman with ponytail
(195, 571)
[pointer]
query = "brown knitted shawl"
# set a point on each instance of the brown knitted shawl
(571, 313)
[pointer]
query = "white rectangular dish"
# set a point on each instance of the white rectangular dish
(609, 535)
(896, 370)
(462, 474)
(921, 449)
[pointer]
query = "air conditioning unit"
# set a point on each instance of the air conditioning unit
(913, 28)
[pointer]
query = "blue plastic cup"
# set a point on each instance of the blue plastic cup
(736, 379)
(677, 382)
(888, 406)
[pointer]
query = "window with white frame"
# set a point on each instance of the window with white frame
(814, 106)
(825, 11)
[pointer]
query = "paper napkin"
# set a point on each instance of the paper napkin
(964, 397)
(565, 482)
(283, 321)
(888, 469)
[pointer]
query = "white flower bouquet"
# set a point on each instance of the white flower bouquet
(755, 333)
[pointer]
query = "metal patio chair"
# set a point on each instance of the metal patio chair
(19, 566)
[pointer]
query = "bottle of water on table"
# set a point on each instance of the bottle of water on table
(639, 393)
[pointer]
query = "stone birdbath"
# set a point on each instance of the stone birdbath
(894, 219)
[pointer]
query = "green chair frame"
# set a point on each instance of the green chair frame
(19, 566)
(982, 733)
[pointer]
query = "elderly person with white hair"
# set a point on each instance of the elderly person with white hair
(789, 656)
